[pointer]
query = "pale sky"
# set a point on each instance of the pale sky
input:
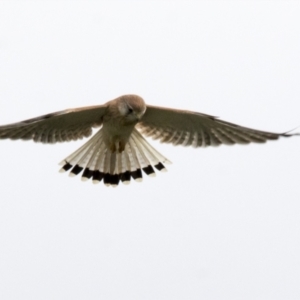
(222, 223)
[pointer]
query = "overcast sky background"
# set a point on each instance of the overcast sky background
(223, 223)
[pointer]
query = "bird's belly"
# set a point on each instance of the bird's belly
(116, 136)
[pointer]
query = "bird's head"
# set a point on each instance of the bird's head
(132, 108)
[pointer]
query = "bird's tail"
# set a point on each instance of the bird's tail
(99, 163)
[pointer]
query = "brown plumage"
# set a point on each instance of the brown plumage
(118, 151)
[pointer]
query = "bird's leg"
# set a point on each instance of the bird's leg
(113, 147)
(122, 145)
(118, 146)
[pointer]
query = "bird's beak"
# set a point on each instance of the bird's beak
(139, 115)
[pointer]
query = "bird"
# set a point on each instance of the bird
(118, 151)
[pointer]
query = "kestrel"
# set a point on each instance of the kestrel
(118, 151)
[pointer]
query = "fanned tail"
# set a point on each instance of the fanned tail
(100, 163)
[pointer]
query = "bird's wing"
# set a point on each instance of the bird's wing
(66, 125)
(187, 128)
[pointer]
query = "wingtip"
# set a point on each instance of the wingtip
(290, 133)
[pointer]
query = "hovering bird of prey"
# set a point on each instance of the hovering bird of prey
(118, 151)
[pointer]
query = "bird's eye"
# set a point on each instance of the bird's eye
(130, 110)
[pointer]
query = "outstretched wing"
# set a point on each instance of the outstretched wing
(66, 125)
(181, 127)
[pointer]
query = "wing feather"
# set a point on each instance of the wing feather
(181, 127)
(66, 125)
